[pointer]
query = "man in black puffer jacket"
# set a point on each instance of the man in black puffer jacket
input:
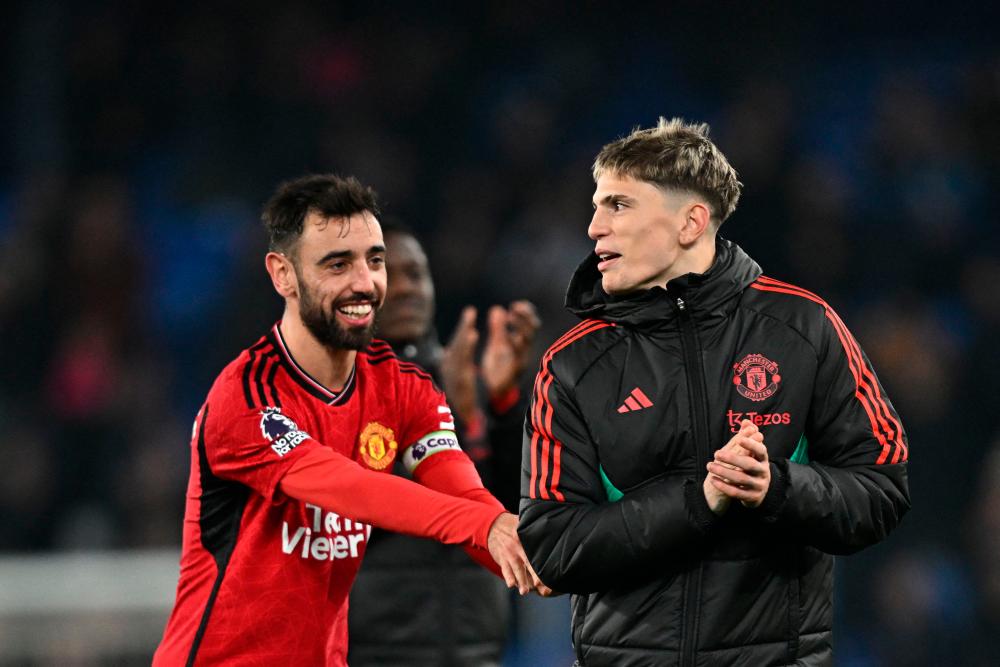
(704, 441)
(457, 613)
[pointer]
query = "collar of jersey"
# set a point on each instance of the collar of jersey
(306, 381)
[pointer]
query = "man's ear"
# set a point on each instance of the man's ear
(283, 277)
(697, 221)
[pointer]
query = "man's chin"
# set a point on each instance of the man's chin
(616, 288)
(611, 286)
(358, 337)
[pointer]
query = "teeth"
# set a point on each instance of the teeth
(356, 309)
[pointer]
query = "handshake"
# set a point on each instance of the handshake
(740, 471)
(506, 550)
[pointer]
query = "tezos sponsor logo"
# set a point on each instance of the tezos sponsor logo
(758, 419)
(756, 377)
(281, 431)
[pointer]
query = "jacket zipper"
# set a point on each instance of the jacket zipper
(696, 373)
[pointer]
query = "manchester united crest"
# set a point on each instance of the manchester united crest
(378, 446)
(756, 377)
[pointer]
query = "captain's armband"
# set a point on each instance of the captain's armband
(427, 446)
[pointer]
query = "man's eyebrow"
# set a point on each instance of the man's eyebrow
(375, 249)
(612, 198)
(334, 254)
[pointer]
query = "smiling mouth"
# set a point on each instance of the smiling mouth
(356, 314)
(356, 310)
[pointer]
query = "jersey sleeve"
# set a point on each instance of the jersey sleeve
(849, 488)
(428, 427)
(251, 444)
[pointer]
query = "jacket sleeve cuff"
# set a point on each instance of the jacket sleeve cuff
(777, 493)
(703, 516)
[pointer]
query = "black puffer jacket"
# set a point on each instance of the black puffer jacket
(628, 408)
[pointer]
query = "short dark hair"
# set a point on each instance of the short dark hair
(329, 195)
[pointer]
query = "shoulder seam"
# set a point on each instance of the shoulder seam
(786, 324)
(886, 427)
(574, 335)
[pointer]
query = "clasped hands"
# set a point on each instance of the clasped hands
(740, 471)
(505, 548)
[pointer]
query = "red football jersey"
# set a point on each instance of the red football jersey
(264, 579)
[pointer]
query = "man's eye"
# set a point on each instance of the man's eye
(617, 205)
(338, 266)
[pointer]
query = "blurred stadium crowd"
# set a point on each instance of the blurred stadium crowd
(139, 141)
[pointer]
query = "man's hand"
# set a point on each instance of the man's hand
(718, 497)
(458, 366)
(505, 548)
(741, 469)
(508, 345)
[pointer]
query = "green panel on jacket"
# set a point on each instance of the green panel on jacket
(801, 454)
(609, 488)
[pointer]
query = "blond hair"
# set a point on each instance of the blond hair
(675, 155)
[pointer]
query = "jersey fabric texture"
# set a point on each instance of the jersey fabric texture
(459, 612)
(628, 408)
(265, 578)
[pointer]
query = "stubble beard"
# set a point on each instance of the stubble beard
(325, 327)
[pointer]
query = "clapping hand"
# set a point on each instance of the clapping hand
(740, 470)
(510, 334)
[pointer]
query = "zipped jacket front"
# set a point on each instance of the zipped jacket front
(628, 408)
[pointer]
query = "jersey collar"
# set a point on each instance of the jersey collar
(310, 384)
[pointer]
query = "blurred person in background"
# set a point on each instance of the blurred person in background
(456, 612)
(983, 535)
(292, 450)
(706, 439)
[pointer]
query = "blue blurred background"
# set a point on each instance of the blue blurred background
(138, 141)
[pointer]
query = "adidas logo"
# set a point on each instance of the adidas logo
(636, 400)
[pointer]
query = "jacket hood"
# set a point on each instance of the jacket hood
(708, 295)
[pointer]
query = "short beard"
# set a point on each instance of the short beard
(325, 327)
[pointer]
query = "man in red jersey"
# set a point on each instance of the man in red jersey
(289, 452)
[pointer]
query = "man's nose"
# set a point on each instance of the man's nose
(362, 280)
(598, 227)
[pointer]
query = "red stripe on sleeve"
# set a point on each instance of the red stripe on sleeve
(541, 417)
(852, 362)
(895, 432)
(866, 386)
(546, 439)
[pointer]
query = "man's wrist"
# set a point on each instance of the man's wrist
(697, 503)
(777, 492)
